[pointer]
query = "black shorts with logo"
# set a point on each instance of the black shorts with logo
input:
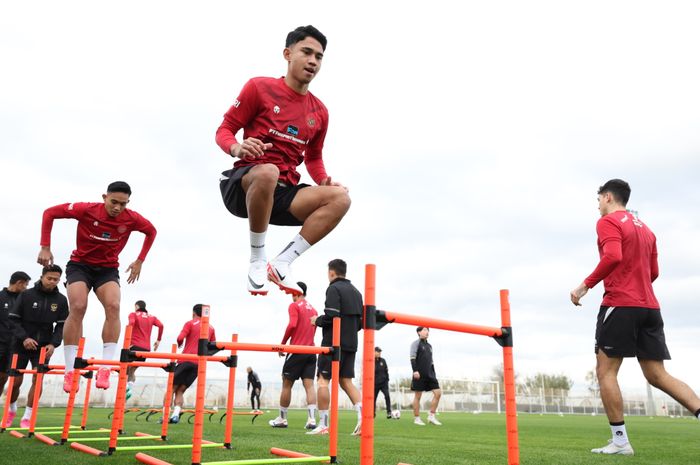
(347, 365)
(185, 374)
(139, 349)
(93, 276)
(631, 332)
(234, 197)
(427, 383)
(299, 366)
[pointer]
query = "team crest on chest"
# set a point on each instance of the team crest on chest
(54, 307)
(276, 110)
(311, 122)
(121, 229)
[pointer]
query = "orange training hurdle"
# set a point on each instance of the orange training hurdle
(502, 335)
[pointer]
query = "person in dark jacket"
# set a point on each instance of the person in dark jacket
(18, 284)
(381, 381)
(345, 301)
(37, 316)
(424, 378)
(254, 381)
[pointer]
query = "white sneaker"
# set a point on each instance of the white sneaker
(320, 429)
(278, 423)
(358, 429)
(433, 420)
(418, 421)
(310, 424)
(257, 278)
(613, 448)
(280, 273)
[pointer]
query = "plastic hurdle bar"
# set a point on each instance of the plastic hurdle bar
(502, 335)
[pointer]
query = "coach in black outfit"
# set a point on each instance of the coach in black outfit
(381, 381)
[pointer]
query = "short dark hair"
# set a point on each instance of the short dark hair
(339, 266)
(619, 189)
(19, 276)
(119, 186)
(197, 309)
(302, 286)
(421, 328)
(302, 32)
(51, 269)
(140, 305)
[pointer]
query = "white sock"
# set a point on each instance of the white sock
(129, 384)
(295, 248)
(358, 409)
(70, 352)
(257, 247)
(619, 434)
(108, 350)
(176, 411)
(13, 406)
(323, 418)
(311, 410)
(283, 413)
(27, 413)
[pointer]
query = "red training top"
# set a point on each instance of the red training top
(100, 237)
(295, 124)
(190, 334)
(628, 261)
(143, 324)
(300, 328)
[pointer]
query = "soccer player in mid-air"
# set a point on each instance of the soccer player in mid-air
(142, 324)
(629, 321)
(103, 230)
(283, 125)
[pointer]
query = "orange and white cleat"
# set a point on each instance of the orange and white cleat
(257, 278)
(280, 274)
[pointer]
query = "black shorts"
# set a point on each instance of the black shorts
(234, 197)
(185, 374)
(299, 366)
(138, 349)
(425, 383)
(5, 356)
(24, 357)
(93, 276)
(631, 332)
(347, 365)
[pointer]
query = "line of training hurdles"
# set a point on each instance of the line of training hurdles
(374, 320)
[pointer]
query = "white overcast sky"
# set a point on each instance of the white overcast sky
(472, 135)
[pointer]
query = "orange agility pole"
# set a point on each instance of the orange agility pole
(10, 387)
(502, 335)
(72, 394)
(230, 394)
(335, 384)
(289, 349)
(201, 386)
(168, 396)
(37, 391)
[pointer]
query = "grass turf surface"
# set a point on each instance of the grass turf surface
(463, 439)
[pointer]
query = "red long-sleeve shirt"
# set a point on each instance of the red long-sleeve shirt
(142, 324)
(628, 261)
(295, 124)
(100, 237)
(190, 335)
(300, 329)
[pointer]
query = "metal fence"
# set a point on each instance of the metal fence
(469, 396)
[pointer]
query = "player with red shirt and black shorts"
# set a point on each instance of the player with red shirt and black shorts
(629, 320)
(186, 371)
(142, 324)
(283, 125)
(300, 332)
(103, 231)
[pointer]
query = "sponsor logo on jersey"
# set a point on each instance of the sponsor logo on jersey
(54, 307)
(70, 206)
(96, 223)
(236, 103)
(293, 130)
(35, 305)
(104, 238)
(106, 235)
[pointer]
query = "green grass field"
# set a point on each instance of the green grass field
(463, 439)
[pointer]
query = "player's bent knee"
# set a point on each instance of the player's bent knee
(266, 173)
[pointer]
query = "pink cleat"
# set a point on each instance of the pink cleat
(68, 383)
(24, 423)
(10, 418)
(102, 381)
